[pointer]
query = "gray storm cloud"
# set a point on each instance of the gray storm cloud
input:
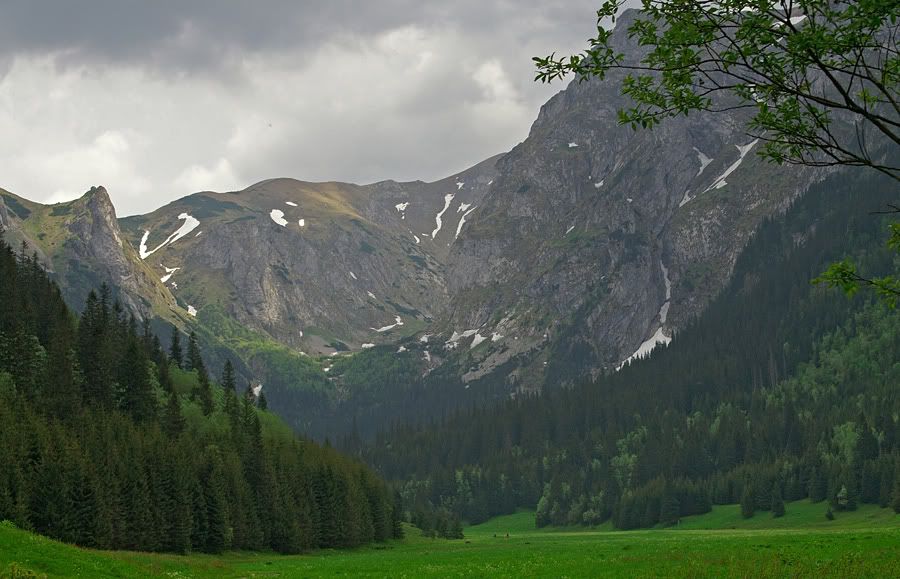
(159, 99)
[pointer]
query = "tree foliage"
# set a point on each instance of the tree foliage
(106, 442)
(820, 78)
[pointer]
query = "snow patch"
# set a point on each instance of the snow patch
(327, 370)
(277, 216)
(658, 337)
(401, 349)
(457, 336)
(398, 321)
(424, 339)
(495, 337)
(198, 234)
(416, 237)
(170, 271)
(463, 207)
(573, 145)
(302, 223)
(401, 208)
(367, 346)
(291, 203)
(427, 356)
(353, 275)
(569, 230)
(143, 247)
(462, 221)
(598, 184)
(371, 295)
(257, 390)
(448, 198)
(189, 225)
(459, 185)
(192, 311)
(742, 150)
(477, 340)
(704, 161)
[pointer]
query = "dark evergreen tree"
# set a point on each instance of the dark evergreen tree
(777, 503)
(175, 352)
(748, 503)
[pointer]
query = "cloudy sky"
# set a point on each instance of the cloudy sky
(156, 100)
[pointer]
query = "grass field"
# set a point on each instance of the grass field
(865, 543)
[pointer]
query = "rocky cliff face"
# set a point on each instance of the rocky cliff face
(606, 238)
(321, 267)
(81, 244)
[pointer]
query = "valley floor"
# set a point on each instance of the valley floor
(864, 543)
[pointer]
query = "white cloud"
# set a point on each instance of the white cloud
(415, 98)
(199, 178)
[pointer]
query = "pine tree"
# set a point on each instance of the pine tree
(194, 360)
(670, 509)
(748, 502)
(175, 352)
(397, 516)
(138, 398)
(895, 498)
(218, 536)
(228, 381)
(818, 486)
(174, 423)
(203, 391)
(261, 402)
(777, 503)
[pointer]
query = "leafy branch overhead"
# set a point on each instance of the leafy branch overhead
(820, 78)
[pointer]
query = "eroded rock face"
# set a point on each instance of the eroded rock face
(587, 217)
(81, 244)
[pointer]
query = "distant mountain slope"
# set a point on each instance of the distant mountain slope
(320, 267)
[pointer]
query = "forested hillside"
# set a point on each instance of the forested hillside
(108, 441)
(781, 390)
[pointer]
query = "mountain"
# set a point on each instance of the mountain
(82, 246)
(583, 247)
(320, 267)
(780, 390)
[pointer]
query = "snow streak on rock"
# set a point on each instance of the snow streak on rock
(397, 323)
(448, 199)
(189, 225)
(658, 337)
(462, 221)
(720, 181)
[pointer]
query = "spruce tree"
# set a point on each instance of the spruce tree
(218, 536)
(174, 421)
(670, 509)
(194, 359)
(895, 498)
(228, 381)
(175, 352)
(748, 503)
(261, 402)
(777, 503)
(137, 396)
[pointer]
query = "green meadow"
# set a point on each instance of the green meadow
(863, 543)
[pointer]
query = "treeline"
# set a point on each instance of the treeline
(107, 441)
(782, 390)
